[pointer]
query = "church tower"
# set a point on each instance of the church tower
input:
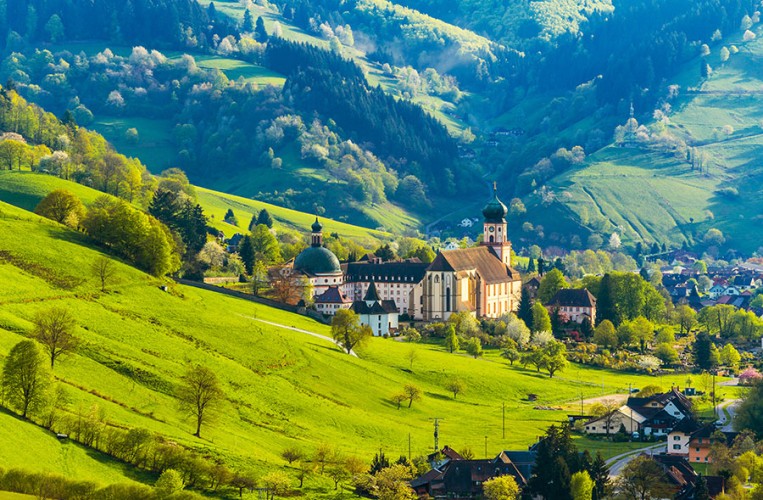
(494, 233)
(317, 236)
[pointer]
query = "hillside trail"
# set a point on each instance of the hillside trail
(298, 330)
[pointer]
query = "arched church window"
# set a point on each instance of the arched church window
(447, 299)
(491, 238)
(436, 279)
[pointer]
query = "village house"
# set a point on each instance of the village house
(653, 416)
(380, 315)
(574, 304)
(330, 301)
(454, 477)
(683, 478)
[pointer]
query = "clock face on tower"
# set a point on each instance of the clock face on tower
(491, 229)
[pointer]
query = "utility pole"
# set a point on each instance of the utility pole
(503, 417)
(715, 411)
(436, 433)
(485, 446)
(409, 446)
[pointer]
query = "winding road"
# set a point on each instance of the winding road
(617, 462)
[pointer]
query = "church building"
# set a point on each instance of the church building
(319, 264)
(479, 279)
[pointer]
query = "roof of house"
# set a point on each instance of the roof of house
(407, 271)
(480, 259)
(686, 426)
(332, 296)
(533, 282)
(372, 294)
(378, 307)
(573, 297)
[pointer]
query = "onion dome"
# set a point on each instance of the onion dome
(495, 210)
(317, 226)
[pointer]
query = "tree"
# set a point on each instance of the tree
(600, 475)
(541, 319)
(54, 29)
(525, 308)
(730, 356)
(531, 266)
(705, 353)
(500, 488)
(412, 393)
(322, 455)
(511, 354)
(347, 331)
(554, 357)
(551, 283)
(278, 483)
(451, 339)
(292, 454)
(265, 245)
(243, 481)
(643, 479)
(551, 472)
(474, 347)
(253, 221)
(63, 207)
(104, 269)
(581, 486)
(169, 483)
(391, 483)
(246, 252)
(264, 217)
(54, 329)
(247, 25)
(641, 330)
(749, 414)
(199, 394)
(412, 356)
(230, 217)
(605, 307)
(456, 386)
(685, 317)
(260, 33)
(667, 354)
(605, 335)
(25, 378)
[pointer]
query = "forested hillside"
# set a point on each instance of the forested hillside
(392, 107)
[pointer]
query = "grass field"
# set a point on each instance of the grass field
(282, 388)
(25, 189)
(154, 147)
(655, 196)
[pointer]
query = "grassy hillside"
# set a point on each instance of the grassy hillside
(658, 196)
(283, 388)
(26, 189)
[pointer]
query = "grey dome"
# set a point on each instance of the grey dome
(317, 260)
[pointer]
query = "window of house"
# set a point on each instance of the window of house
(676, 438)
(697, 450)
(676, 446)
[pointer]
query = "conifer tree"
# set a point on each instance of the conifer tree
(265, 218)
(525, 309)
(260, 33)
(248, 24)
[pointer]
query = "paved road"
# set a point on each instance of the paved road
(617, 463)
(299, 330)
(725, 412)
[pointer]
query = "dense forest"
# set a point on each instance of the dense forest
(179, 23)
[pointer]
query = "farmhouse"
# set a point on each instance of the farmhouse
(655, 415)
(575, 304)
(454, 477)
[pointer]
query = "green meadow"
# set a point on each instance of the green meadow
(656, 196)
(283, 388)
(25, 189)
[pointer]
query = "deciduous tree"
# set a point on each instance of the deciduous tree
(643, 479)
(347, 331)
(500, 488)
(25, 378)
(54, 330)
(63, 207)
(455, 386)
(199, 394)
